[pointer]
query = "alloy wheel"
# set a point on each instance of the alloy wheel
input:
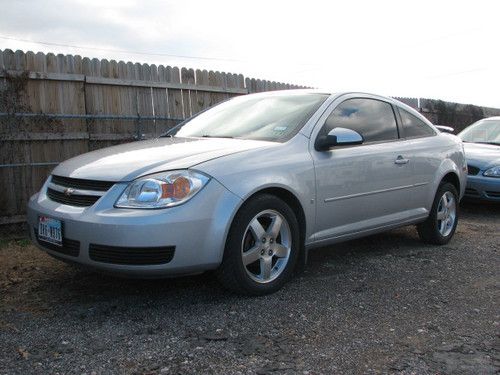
(446, 213)
(266, 246)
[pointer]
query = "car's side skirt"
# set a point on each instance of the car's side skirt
(343, 234)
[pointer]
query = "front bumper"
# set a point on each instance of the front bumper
(483, 188)
(196, 229)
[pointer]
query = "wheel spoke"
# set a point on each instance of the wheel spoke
(280, 251)
(452, 206)
(251, 255)
(442, 203)
(441, 215)
(257, 229)
(275, 227)
(442, 227)
(265, 267)
(449, 200)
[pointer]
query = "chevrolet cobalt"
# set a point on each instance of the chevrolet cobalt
(248, 187)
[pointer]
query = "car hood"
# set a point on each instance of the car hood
(482, 155)
(128, 161)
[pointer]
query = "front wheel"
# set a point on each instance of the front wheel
(262, 247)
(443, 218)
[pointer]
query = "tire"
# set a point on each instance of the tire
(442, 222)
(262, 247)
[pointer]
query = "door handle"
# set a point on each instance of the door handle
(401, 160)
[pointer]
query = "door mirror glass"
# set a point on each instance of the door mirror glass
(339, 137)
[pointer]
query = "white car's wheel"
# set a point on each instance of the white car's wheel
(262, 247)
(443, 218)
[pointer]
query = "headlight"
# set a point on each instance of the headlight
(162, 190)
(492, 172)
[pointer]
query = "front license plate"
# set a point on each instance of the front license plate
(50, 230)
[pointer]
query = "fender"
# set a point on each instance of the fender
(447, 166)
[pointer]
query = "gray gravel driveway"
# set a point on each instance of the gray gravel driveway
(383, 304)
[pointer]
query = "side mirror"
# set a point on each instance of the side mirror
(446, 129)
(339, 137)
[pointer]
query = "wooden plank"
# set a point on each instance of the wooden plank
(165, 85)
(51, 63)
(91, 79)
(187, 78)
(160, 100)
(202, 97)
(17, 188)
(231, 82)
(113, 69)
(107, 94)
(175, 106)
(216, 79)
(94, 100)
(113, 137)
(2, 63)
(67, 137)
(19, 165)
(12, 219)
(127, 99)
(241, 83)
(251, 85)
(145, 100)
(44, 136)
(10, 187)
(19, 60)
(8, 58)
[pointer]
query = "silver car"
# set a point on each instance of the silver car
(482, 150)
(249, 186)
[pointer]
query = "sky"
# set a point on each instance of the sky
(436, 49)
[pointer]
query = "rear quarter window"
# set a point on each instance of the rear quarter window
(413, 127)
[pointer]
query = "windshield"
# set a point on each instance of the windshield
(270, 118)
(483, 131)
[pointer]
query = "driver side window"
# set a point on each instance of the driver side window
(373, 119)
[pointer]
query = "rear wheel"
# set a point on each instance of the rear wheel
(262, 247)
(443, 218)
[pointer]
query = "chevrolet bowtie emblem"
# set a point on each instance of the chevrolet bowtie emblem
(68, 191)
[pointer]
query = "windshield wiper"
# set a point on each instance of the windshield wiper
(489, 143)
(216, 136)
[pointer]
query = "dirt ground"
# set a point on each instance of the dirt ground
(383, 304)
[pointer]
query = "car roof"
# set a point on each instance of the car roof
(335, 95)
(332, 94)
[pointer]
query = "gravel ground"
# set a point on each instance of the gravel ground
(384, 304)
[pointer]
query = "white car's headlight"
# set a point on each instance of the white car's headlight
(162, 190)
(492, 172)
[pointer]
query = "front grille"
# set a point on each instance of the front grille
(72, 191)
(73, 199)
(69, 247)
(471, 170)
(493, 194)
(473, 192)
(77, 183)
(139, 256)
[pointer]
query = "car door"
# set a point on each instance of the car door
(425, 152)
(365, 186)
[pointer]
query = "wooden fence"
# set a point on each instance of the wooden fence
(72, 105)
(145, 99)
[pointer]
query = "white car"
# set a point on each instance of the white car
(249, 186)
